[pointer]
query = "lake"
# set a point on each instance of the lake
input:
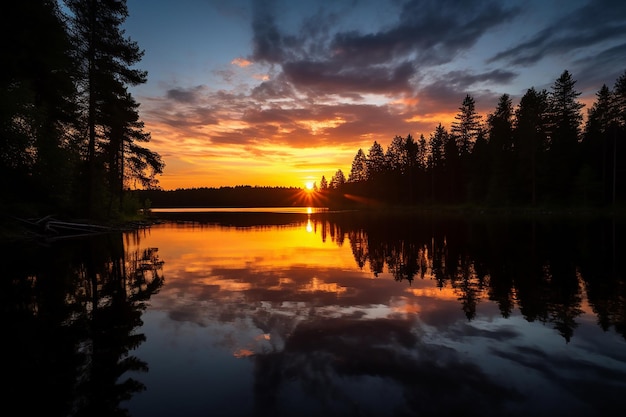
(267, 312)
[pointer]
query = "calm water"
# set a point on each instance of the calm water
(321, 314)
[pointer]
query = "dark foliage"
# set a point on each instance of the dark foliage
(70, 134)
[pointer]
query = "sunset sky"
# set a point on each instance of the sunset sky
(279, 93)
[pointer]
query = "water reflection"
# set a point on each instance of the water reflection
(354, 314)
(73, 311)
(324, 314)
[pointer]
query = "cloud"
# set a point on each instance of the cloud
(587, 26)
(188, 96)
(426, 33)
(328, 77)
(241, 62)
(613, 58)
(432, 32)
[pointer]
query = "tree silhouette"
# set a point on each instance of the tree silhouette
(358, 172)
(337, 181)
(74, 312)
(376, 163)
(564, 133)
(466, 127)
(323, 184)
(106, 59)
(500, 127)
(531, 140)
(619, 144)
(37, 108)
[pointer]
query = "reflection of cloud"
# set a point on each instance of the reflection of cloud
(590, 378)
(243, 353)
(320, 332)
(330, 360)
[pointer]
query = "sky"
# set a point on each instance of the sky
(282, 92)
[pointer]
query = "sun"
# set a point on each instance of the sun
(309, 185)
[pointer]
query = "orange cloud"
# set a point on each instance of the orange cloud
(241, 62)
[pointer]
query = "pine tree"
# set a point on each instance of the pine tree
(375, 161)
(323, 184)
(436, 161)
(619, 135)
(106, 60)
(422, 154)
(338, 180)
(531, 142)
(500, 128)
(564, 129)
(396, 157)
(37, 110)
(358, 172)
(597, 142)
(466, 127)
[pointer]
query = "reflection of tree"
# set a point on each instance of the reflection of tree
(605, 283)
(542, 267)
(469, 286)
(73, 308)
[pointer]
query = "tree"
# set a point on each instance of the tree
(452, 173)
(358, 172)
(323, 184)
(466, 127)
(106, 59)
(436, 160)
(37, 110)
(396, 156)
(338, 180)
(480, 169)
(376, 164)
(500, 128)
(597, 142)
(531, 142)
(619, 112)
(422, 154)
(437, 139)
(564, 129)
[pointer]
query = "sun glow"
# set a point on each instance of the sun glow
(309, 185)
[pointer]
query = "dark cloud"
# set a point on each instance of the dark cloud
(332, 78)
(268, 42)
(588, 26)
(462, 80)
(432, 32)
(613, 58)
(426, 33)
(187, 96)
(447, 91)
(277, 88)
(600, 385)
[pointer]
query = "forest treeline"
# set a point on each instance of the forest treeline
(536, 153)
(546, 272)
(71, 141)
(238, 196)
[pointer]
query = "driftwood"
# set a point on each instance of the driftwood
(48, 228)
